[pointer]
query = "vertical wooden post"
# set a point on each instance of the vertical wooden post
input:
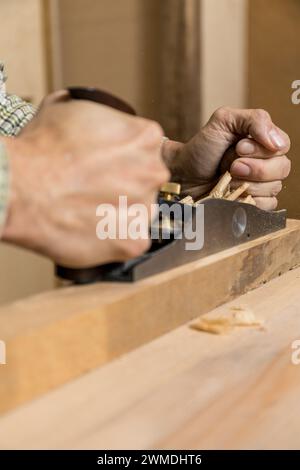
(223, 55)
(180, 89)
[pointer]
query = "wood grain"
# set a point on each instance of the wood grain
(185, 390)
(55, 337)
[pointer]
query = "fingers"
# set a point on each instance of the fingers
(254, 122)
(261, 170)
(266, 203)
(251, 148)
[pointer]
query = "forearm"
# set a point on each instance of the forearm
(4, 184)
(171, 152)
(14, 115)
(19, 223)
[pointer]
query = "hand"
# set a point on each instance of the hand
(73, 156)
(245, 142)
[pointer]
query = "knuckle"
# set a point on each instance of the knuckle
(156, 129)
(276, 188)
(261, 114)
(222, 113)
(152, 133)
(286, 167)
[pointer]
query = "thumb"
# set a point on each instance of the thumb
(235, 124)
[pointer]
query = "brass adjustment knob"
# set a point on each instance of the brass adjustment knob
(170, 191)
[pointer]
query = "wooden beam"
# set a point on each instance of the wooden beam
(187, 390)
(57, 336)
(180, 59)
(223, 56)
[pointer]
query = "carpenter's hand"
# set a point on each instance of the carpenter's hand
(73, 156)
(245, 142)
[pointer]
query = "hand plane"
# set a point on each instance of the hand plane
(223, 224)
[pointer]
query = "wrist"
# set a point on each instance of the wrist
(4, 184)
(171, 151)
(21, 226)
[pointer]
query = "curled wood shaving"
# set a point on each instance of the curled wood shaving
(223, 323)
(222, 191)
(237, 192)
(221, 187)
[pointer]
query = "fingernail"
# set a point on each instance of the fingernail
(246, 148)
(240, 169)
(276, 138)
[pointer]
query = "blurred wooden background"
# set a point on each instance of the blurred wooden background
(149, 52)
(274, 44)
(22, 48)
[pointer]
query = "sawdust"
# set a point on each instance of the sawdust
(238, 316)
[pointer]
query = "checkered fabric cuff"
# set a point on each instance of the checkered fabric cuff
(14, 115)
(4, 185)
(14, 112)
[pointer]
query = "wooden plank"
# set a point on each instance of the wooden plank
(55, 337)
(186, 389)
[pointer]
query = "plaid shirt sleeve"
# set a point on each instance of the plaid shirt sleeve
(14, 112)
(14, 115)
(4, 185)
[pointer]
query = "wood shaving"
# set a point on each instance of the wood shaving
(221, 187)
(222, 190)
(237, 317)
(238, 192)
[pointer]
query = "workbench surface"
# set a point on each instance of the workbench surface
(187, 389)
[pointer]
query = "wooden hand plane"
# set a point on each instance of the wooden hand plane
(220, 224)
